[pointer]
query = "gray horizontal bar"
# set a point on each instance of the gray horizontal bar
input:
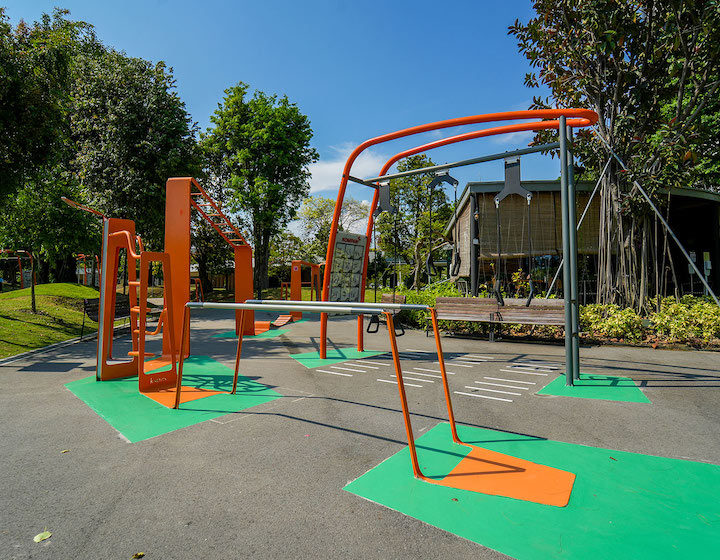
(347, 309)
(358, 304)
(461, 163)
(362, 182)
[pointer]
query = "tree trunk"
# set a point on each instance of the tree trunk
(33, 307)
(418, 266)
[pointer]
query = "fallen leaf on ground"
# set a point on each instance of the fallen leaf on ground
(65, 451)
(138, 555)
(42, 536)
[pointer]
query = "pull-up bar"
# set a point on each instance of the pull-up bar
(537, 483)
(338, 304)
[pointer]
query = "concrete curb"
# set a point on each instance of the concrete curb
(31, 353)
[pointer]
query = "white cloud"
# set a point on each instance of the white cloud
(327, 172)
(522, 137)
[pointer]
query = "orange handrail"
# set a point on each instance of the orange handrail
(575, 118)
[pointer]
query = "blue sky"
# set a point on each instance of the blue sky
(357, 69)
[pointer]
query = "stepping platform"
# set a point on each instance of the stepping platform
(282, 320)
(137, 416)
(623, 505)
(600, 387)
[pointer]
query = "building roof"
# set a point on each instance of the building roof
(485, 187)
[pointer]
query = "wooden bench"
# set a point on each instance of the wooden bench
(91, 308)
(487, 310)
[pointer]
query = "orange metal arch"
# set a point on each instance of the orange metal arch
(575, 118)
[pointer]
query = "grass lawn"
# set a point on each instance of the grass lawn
(59, 317)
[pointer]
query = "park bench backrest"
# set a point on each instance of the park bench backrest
(393, 298)
(91, 307)
(540, 311)
(477, 309)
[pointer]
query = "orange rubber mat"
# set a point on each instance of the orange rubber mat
(166, 397)
(262, 326)
(490, 472)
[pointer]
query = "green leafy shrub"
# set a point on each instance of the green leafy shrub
(692, 318)
(611, 321)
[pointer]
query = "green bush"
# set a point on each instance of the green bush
(611, 321)
(692, 318)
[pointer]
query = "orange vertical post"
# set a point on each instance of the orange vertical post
(296, 286)
(244, 288)
(177, 246)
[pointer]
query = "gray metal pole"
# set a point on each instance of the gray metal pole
(572, 258)
(567, 280)
(473, 247)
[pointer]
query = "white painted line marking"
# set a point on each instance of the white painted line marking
(454, 364)
(348, 369)
(334, 372)
(415, 372)
(477, 356)
(433, 370)
(363, 365)
(421, 351)
(376, 363)
(395, 382)
(500, 385)
(511, 380)
(525, 368)
(538, 364)
(492, 390)
(471, 360)
(543, 368)
(523, 372)
(415, 379)
(482, 396)
(458, 361)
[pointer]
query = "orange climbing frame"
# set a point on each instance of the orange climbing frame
(182, 195)
(16, 254)
(83, 257)
(544, 119)
(296, 283)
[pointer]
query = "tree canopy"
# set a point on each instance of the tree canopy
(651, 70)
(259, 147)
(409, 235)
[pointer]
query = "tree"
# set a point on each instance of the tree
(35, 72)
(316, 213)
(36, 220)
(410, 234)
(131, 132)
(651, 72)
(260, 147)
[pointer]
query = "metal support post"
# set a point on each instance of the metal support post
(572, 219)
(567, 279)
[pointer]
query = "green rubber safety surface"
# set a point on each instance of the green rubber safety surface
(623, 505)
(334, 356)
(601, 387)
(138, 417)
(272, 333)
